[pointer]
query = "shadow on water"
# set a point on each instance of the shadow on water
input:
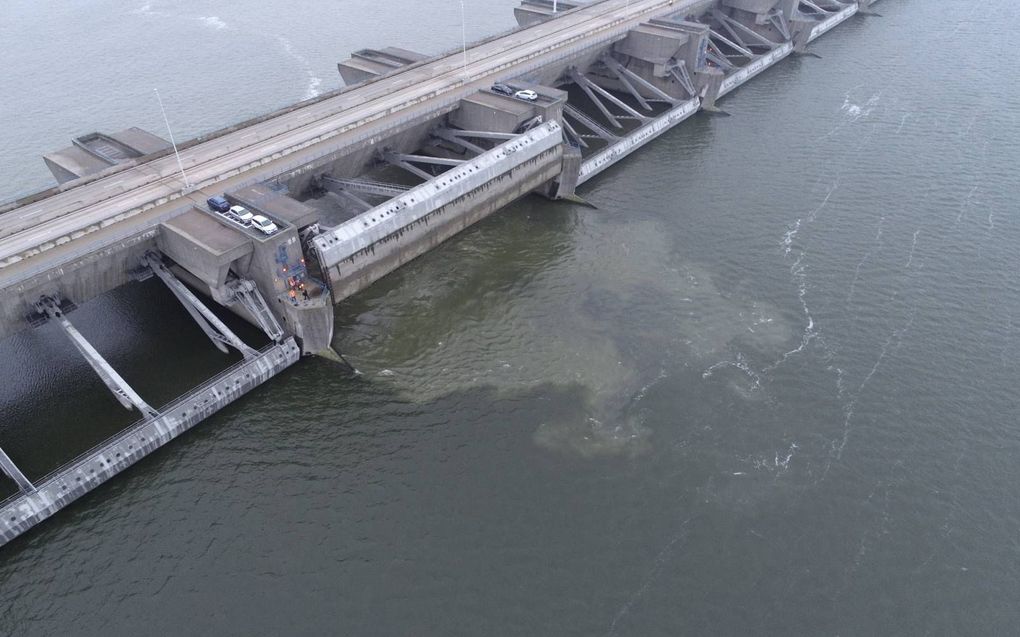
(54, 405)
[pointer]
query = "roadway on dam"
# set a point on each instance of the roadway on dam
(357, 113)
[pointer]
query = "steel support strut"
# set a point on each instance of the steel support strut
(482, 134)
(427, 159)
(621, 71)
(728, 42)
(680, 74)
(352, 199)
(454, 138)
(732, 26)
(619, 103)
(393, 160)
(247, 294)
(364, 186)
(214, 328)
(116, 384)
(589, 123)
(7, 466)
(573, 134)
(583, 83)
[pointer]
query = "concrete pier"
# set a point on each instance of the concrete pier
(94, 467)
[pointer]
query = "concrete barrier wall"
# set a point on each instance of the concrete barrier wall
(371, 245)
(68, 483)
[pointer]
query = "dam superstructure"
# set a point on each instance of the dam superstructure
(356, 183)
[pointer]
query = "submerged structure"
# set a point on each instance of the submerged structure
(327, 196)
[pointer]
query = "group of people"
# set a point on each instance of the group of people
(296, 286)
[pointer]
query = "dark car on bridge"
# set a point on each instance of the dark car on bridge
(502, 89)
(218, 204)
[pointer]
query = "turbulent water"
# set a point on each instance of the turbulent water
(768, 386)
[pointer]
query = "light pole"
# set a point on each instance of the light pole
(172, 142)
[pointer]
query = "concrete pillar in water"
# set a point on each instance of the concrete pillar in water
(564, 186)
(801, 34)
(711, 90)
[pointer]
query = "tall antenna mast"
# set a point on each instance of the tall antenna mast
(172, 142)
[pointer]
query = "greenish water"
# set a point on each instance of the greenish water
(768, 386)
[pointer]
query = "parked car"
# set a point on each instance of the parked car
(218, 204)
(263, 224)
(526, 94)
(502, 89)
(240, 214)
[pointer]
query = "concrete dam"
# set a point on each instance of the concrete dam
(279, 218)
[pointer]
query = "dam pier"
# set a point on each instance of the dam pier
(329, 195)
